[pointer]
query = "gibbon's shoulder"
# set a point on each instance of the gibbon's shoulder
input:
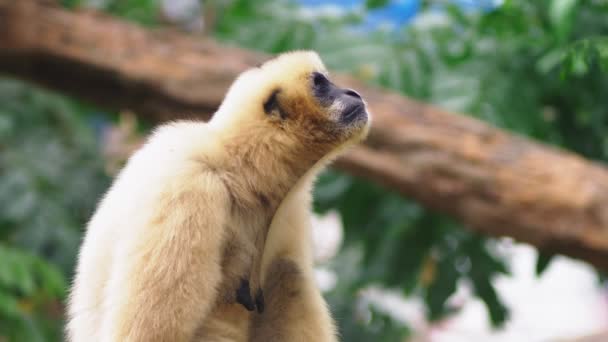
(176, 136)
(174, 142)
(171, 152)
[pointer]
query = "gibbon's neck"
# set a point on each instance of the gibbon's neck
(262, 170)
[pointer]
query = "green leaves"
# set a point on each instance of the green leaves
(371, 4)
(561, 15)
(485, 291)
(144, 12)
(50, 180)
(585, 55)
(485, 266)
(402, 246)
(542, 262)
(442, 287)
(29, 275)
(28, 285)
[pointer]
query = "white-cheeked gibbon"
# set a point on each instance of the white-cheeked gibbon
(204, 235)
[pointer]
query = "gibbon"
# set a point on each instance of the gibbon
(204, 234)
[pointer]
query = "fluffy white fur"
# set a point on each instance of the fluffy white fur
(202, 207)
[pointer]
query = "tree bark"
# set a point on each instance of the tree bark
(495, 182)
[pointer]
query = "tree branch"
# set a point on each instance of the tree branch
(495, 182)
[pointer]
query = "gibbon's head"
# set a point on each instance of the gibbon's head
(290, 103)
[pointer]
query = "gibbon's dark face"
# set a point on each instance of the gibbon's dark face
(350, 104)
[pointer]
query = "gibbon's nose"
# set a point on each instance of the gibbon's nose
(352, 93)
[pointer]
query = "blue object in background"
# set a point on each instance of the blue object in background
(341, 3)
(484, 5)
(394, 14)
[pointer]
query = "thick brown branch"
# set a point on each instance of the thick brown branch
(494, 182)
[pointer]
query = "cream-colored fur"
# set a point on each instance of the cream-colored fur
(200, 208)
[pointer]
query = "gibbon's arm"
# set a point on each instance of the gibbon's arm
(295, 309)
(167, 280)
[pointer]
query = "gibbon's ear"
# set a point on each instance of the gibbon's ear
(272, 106)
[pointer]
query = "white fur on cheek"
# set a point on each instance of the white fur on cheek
(336, 110)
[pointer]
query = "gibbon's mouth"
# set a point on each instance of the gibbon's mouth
(355, 112)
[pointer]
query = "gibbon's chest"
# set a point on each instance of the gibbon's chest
(247, 227)
(226, 322)
(245, 234)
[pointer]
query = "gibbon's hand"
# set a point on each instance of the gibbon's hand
(243, 297)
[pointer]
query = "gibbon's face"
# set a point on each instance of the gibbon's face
(294, 95)
(307, 101)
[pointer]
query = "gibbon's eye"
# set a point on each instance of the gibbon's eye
(321, 87)
(319, 80)
(271, 105)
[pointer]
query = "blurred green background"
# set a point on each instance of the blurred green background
(533, 67)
